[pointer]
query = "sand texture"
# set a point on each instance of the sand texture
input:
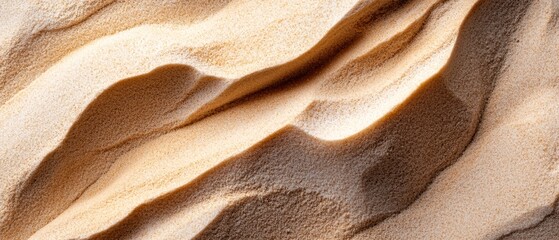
(279, 119)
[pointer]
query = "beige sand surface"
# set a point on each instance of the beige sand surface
(279, 119)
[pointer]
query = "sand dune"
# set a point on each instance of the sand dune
(338, 119)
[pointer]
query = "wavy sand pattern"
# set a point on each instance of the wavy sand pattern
(278, 119)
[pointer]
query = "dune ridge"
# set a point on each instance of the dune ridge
(343, 119)
(219, 94)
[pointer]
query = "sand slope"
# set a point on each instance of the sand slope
(339, 119)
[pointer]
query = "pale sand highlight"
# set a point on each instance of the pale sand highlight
(379, 119)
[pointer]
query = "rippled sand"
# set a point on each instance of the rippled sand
(279, 119)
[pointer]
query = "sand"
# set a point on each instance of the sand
(237, 119)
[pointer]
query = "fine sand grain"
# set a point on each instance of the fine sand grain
(279, 119)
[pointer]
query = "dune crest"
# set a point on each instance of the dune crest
(237, 119)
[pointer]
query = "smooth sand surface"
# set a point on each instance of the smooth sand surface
(279, 119)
